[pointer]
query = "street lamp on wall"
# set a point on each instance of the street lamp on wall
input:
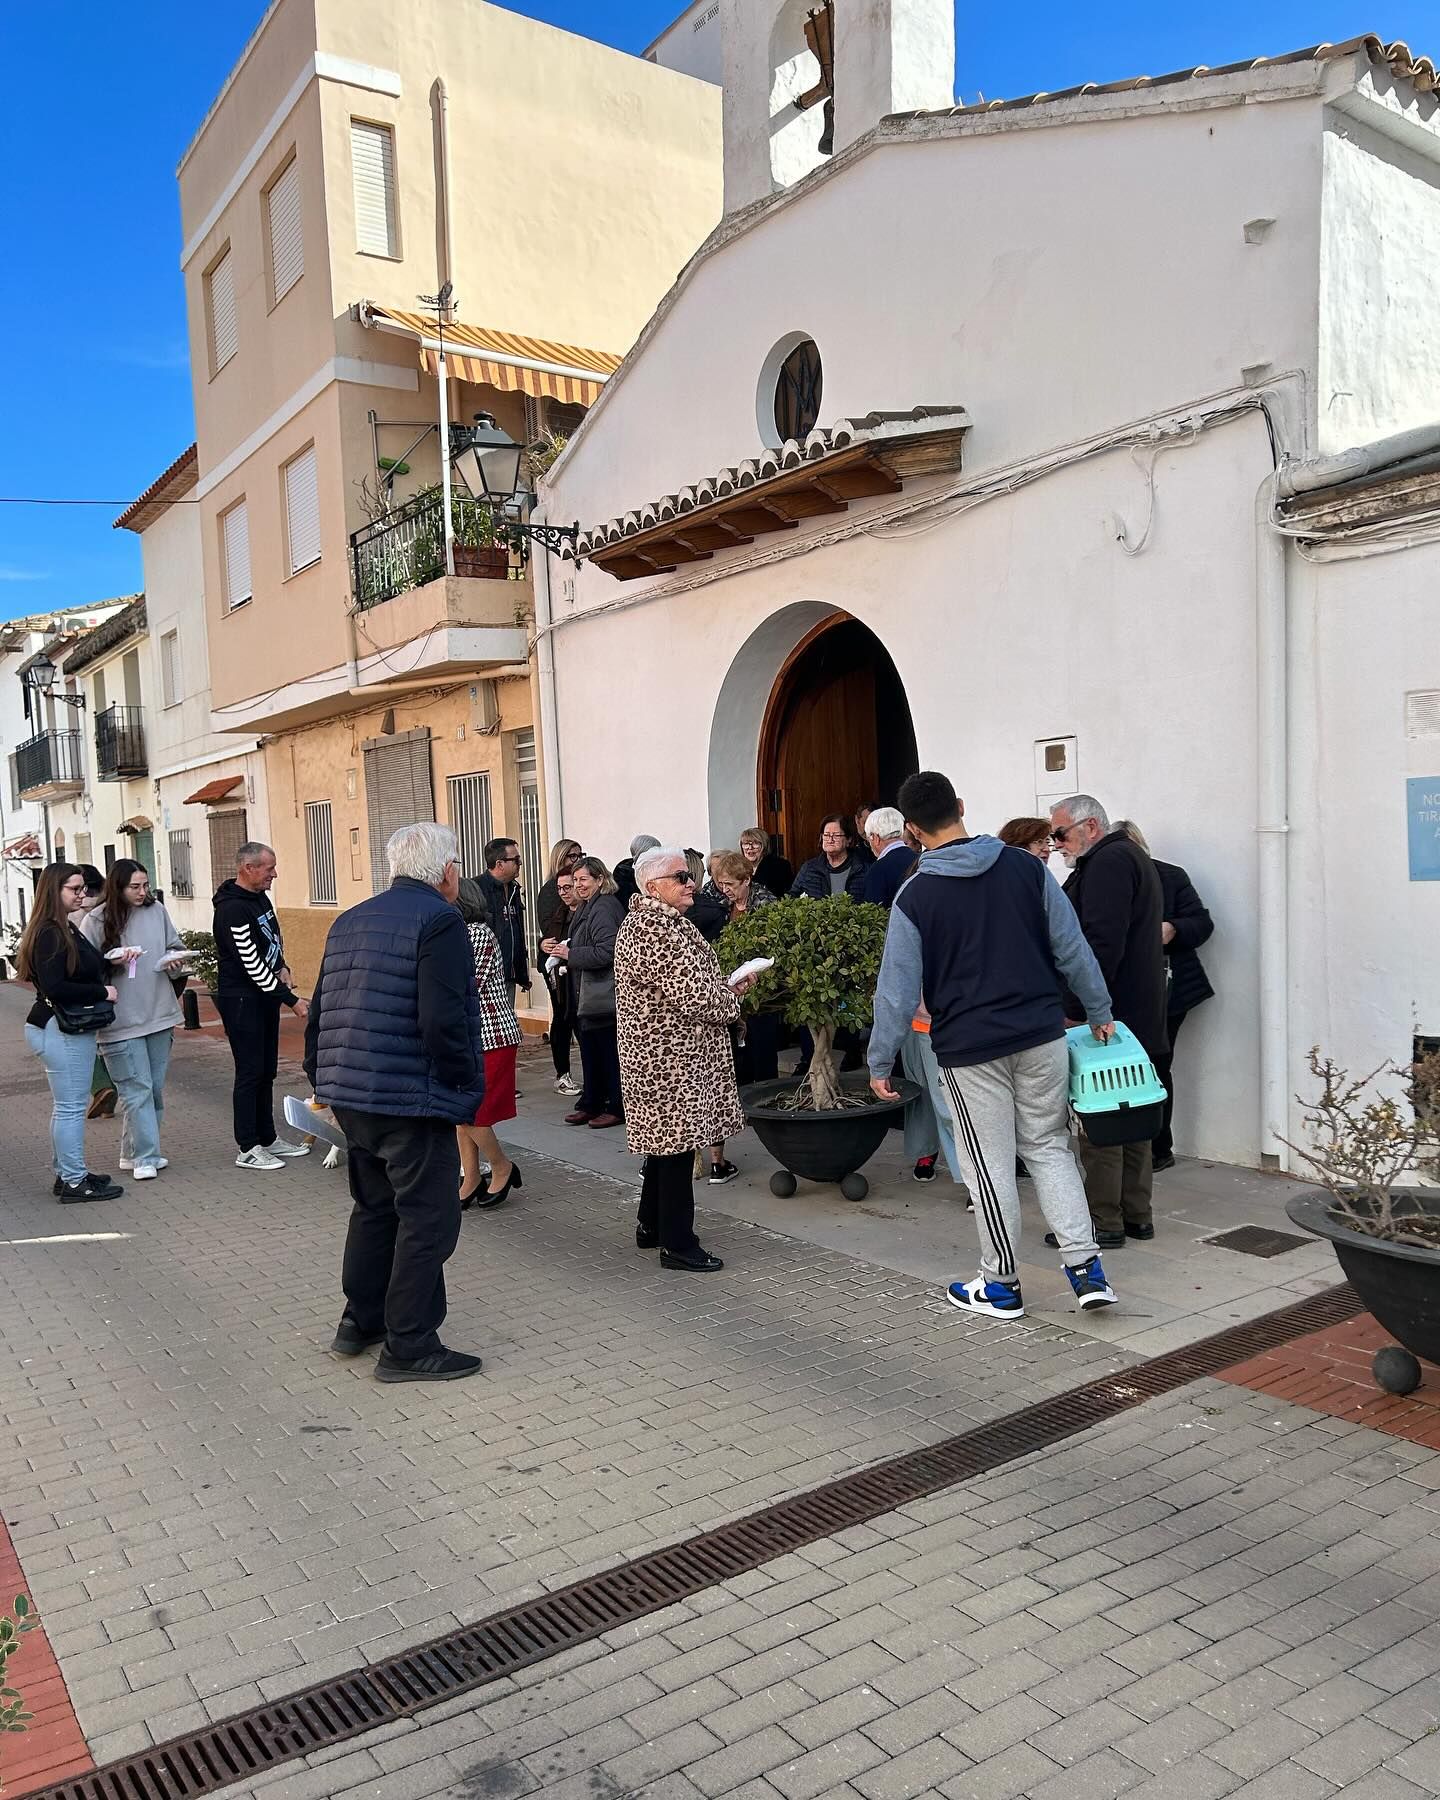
(487, 459)
(40, 679)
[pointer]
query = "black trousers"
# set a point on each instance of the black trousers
(667, 1200)
(252, 1024)
(1163, 1143)
(757, 1059)
(562, 1020)
(404, 1226)
(600, 1069)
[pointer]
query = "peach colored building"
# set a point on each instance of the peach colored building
(358, 157)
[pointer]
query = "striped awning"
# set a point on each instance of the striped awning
(501, 359)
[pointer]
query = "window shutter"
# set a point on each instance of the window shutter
(372, 160)
(302, 511)
(224, 332)
(397, 792)
(236, 526)
(170, 668)
(320, 852)
(228, 831)
(287, 247)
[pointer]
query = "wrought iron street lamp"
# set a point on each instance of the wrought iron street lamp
(488, 459)
(40, 679)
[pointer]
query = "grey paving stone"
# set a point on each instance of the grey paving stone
(991, 1732)
(821, 1769)
(744, 1759)
(1414, 1712)
(906, 1726)
(1197, 1778)
(919, 1770)
(1333, 1703)
(1014, 1772)
(1160, 1693)
(1099, 1777)
(835, 1718)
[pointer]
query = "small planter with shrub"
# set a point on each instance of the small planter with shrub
(827, 953)
(1367, 1134)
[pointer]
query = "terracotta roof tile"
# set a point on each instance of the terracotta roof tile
(166, 488)
(1396, 56)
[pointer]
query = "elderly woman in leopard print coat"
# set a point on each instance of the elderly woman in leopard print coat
(673, 1010)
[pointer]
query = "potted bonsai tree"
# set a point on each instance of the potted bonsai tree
(827, 962)
(1369, 1137)
(204, 966)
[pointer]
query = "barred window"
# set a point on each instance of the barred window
(182, 875)
(320, 852)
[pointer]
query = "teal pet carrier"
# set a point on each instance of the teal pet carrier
(1117, 1096)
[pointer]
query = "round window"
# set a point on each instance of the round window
(799, 383)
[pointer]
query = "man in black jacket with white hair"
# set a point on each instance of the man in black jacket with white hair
(1116, 895)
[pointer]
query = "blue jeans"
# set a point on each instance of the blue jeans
(137, 1067)
(69, 1063)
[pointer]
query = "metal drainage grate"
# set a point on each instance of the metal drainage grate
(1258, 1240)
(240, 1748)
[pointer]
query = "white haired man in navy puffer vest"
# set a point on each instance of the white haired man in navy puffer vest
(393, 1048)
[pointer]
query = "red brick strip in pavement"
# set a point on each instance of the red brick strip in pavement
(1329, 1371)
(51, 1748)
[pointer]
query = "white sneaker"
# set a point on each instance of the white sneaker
(159, 1162)
(145, 1171)
(564, 1085)
(283, 1147)
(257, 1159)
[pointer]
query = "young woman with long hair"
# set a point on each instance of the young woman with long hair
(68, 971)
(552, 912)
(137, 1045)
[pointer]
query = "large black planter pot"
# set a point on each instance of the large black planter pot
(1399, 1283)
(821, 1146)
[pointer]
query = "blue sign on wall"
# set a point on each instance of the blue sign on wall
(1423, 797)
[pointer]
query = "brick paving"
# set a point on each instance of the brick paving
(1330, 1372)
(1219, 1593)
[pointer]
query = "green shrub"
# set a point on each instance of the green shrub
(13, 1626)
(204, 965)
(827, 962)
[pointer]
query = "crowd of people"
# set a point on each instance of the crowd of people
(412, 1032)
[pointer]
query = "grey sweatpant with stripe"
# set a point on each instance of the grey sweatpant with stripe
(1019, 1105)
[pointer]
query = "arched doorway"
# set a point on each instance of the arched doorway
(837, 732)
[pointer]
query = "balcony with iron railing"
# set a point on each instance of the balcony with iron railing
(405, 548)
(120, 743)
(50, 765)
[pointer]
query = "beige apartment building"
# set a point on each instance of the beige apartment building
(359, 156)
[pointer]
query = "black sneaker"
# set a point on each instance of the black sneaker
(646, 1240)
(924, 1169)
(1107, 1240)
(1161, 1164)
(1143, 1232)
(350, 1340)
(93, 1187)
(698, 1261)
(722, 1172)
(440, 1365)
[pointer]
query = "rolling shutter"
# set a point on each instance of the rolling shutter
(224, 332)
(228, 831)
(302, 511)
(235, 549)
(397, 792)
(372, 160)
(287, 247)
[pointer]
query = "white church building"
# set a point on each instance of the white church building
(1080, 441)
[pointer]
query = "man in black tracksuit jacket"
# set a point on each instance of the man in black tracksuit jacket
(1117, 898)
(252, 986)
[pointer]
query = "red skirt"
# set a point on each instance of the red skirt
(499, 1102)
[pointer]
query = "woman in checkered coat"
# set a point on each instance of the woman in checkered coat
(500, 1034)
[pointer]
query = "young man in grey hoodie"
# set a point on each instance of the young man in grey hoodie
(984, 935)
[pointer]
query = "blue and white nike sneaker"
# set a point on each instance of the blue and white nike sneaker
(1091, 1287)
(996, 1299)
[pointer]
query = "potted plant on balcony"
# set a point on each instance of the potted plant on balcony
(477, 554)
(1367, 1134)
(827, 962)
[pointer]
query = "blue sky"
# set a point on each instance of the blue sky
(96, 398)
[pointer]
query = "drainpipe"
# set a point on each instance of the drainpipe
(1272, 825)
(440, 108)
(1295, 478)
(545, 681)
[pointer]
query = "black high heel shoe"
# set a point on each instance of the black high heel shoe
(488, 1199)
(470, 1199)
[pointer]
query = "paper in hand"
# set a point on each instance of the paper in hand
(756, 966)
